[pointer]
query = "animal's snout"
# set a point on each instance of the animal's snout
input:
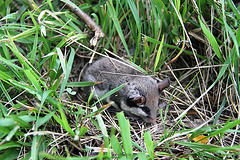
(152, 120)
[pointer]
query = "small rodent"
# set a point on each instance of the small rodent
(139, 98)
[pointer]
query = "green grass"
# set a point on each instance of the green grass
(44, 47)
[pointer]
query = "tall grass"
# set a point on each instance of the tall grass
(195, 43)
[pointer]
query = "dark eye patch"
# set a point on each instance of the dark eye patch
(146, 110)
(131, 103)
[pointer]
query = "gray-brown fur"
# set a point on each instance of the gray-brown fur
(139, 87)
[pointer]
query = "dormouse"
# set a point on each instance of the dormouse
(139, 98)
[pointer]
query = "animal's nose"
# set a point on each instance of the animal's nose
(152, 120)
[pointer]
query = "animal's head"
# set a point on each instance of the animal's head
(142, 98)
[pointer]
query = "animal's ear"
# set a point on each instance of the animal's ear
(164, 84)
(139, 100)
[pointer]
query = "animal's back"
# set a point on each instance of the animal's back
(112, 71)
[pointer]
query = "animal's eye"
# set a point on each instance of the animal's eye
(139, 100)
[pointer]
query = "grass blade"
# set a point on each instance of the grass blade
(116, 145)
(12, 133)
(7, 122)
(110, 93)
(80, 84)
(33, 80)
(65, 121)
(158, 54)
(114, 17)
(9, 145)
(101, 123)
(212, 40)
(149, 144)
(3, 89)
(45, 95)
(125, 133)
(67, 71)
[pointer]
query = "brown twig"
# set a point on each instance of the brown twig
(90, 23)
